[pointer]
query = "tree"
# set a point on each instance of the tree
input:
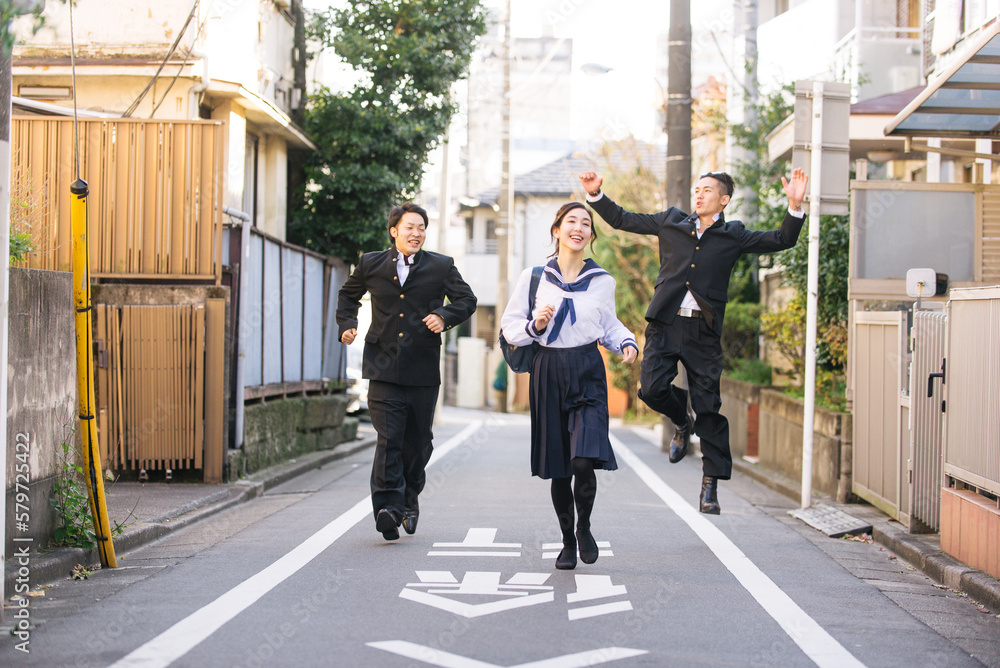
(374, 138)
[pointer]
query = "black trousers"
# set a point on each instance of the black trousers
(402, 416)
(693, 342)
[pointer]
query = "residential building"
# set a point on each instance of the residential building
(237, 62)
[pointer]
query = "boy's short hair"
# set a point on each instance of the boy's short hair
(724, 179)
(396, 213)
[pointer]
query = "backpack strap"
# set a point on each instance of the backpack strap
(536, 277)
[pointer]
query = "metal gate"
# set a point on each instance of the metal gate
(159, 386)
(972, 389)
(926, 397)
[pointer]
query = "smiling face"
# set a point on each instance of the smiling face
(409, 233)
(574, 230)
(710, 196)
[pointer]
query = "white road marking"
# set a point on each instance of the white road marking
(477, 537)
(437, 657)
(590, 587)
(597, 610)
(459, 553)
(480, 538)
(479, 584)
(469, 610)
(811, 638)
(604, 551)
(183, 636)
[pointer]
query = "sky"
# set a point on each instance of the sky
(623, 35)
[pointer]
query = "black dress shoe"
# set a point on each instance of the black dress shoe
(709, 501)
(410, 517)
(680, 442)
(386, 522)
(588, 546)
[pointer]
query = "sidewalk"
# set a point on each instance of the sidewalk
(150, 511)
(922, 551)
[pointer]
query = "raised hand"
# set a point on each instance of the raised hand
(795, 189)
(591, 182)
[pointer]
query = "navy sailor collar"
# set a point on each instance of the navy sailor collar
(590, 271)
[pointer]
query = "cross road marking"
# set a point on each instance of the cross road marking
(437, 657)
(477, 538)
(516, 593)
(605, 549)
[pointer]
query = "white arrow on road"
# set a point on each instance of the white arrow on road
(436, 657)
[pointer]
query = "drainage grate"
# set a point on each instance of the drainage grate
(834, 523)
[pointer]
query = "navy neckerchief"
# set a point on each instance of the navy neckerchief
(553, 275)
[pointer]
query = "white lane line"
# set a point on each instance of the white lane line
(811, 638)
(183, 636)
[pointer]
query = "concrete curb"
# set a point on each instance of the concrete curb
(59, 563)
(942, 568)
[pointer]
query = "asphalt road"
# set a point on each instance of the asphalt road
(300, 577)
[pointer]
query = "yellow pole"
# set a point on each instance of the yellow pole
(85, 375)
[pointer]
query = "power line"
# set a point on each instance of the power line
(128, 112)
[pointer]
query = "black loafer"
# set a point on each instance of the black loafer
(681, 440)
(708, 501)
(410, 517)
(588, 546)
(679, 445)
(386, 523)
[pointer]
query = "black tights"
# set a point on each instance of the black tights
(582, 491)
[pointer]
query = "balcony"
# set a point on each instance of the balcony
(896, 50)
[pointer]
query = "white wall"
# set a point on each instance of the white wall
(798, 44)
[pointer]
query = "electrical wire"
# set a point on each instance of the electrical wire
(180, 69)
(76, 120)
(173, 47)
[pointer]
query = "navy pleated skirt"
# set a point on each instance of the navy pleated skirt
(568, 396)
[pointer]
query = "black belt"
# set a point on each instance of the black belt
(690, 313)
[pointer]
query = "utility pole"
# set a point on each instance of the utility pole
(6, 77)
(743, 97)
(506, 221)
(679, 105)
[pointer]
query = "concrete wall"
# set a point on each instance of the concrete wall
(41, 393)
(781, 420)
(740, 404)
(278, 430)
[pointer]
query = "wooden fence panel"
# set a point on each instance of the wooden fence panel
(156, 191)
(152, 387)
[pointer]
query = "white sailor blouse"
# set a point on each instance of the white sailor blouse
(584, 310)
